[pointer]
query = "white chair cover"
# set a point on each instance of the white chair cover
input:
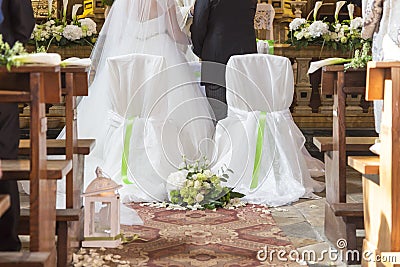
(259, 94)
(137, 126)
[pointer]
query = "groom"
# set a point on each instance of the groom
(220, 29)
(16, 24)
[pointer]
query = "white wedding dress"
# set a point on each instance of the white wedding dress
(161, 99)
(171, 116)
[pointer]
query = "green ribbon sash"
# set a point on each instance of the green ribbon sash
(125, 153)
(101, 238)
(260, 140)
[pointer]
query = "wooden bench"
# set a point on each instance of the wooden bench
(353, 144)
(57, 146)
(20, 169)
(36, 85)
(367, 165)
(338, 83)
(381, 196)
(25, 259)
(348, 209)
(4, 204)
(64, 218)
(74, 81)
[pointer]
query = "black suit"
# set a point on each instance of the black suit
(220, 29)
(17, 25)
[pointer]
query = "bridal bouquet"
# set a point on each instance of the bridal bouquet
(195, 186)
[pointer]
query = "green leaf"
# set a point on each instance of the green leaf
(237, 195)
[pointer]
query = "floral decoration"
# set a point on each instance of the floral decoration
(344, 35)
(60, 33)
(195, 186)
(8, 53)
(361, 57)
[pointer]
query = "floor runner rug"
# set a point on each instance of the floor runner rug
(225, 237)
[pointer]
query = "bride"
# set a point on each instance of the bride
(135, 28)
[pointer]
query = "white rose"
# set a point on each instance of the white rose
(197, 184)
(199, 198)
(207, 173)
(177, 179)
(337, 27)
(299, 35)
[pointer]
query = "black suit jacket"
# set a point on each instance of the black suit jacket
(18, 21)
(220, 29)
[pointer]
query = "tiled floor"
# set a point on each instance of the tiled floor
(303, 223)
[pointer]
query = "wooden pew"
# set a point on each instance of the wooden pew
(57, 147)
(8, 259)
(341, 218)
(76, 84)
(20, 169)
(25, 259)
(37, 85)
(64, 218)
(353, 144)
(381, 176)
(69, 228)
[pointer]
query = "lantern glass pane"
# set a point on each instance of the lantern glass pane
(102, 219)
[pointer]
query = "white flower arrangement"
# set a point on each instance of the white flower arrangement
(16, 56)
(58, 32)
(344, 35)
(195, 186)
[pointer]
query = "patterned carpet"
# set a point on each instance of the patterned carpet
(229, 238)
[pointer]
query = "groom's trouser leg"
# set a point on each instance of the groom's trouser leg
(9, 140)
(217, 98)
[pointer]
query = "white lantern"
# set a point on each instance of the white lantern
(102, 213)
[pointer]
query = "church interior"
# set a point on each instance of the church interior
(352, 222)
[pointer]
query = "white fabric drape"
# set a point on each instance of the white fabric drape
(146, 27)
(258, 84)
